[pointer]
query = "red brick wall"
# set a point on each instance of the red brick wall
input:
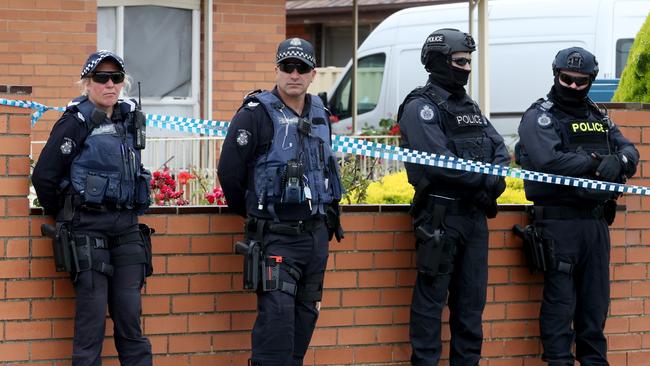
(195, 312)
(43, 44)
(246, 36)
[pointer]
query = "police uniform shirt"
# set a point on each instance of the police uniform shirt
(66, 138)
(542, 147)
(249, 136)
(422, 129)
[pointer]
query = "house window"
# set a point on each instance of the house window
(159, 41)
(622, 51)
(160, 46)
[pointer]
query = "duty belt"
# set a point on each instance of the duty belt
(567, 213)
(454, 206)
(103, 242)
(255, 225)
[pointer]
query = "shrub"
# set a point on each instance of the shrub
(635, 79)
(394, 188)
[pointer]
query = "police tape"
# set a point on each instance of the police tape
(350, 145)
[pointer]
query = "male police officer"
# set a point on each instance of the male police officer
(567, 134)
(449, 206)
(289, 186)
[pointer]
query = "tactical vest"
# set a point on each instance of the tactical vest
(464, 128)
(299, 167)
(107, 171)
(589, 134)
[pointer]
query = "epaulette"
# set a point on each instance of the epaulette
(544, 104)
(250, 100)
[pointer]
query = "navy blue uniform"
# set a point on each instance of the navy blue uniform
(286, 319)
(114, 235)
(558, 139)
(435, 121)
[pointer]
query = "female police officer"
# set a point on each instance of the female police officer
(89, 176)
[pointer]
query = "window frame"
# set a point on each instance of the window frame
(194, 5)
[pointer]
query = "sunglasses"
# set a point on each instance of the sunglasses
(462, 61)
(578, 80)
(102, 77)
(289, 67)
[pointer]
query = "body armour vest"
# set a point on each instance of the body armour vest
(589, 134)
(299, 168)
(108, 170)
(463, 125)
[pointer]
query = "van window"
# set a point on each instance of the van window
(622, 51)
(370, 73)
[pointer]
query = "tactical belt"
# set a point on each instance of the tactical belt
(102, 242)
(454, 207)
(567, 212)
(254, 225)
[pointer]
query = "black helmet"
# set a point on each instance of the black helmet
(576, 59)
(446, 41)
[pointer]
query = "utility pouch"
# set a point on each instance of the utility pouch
(146, 232)
(62, 246)
(251, 251)
(609, 211)
(271, 273)
(95, 189)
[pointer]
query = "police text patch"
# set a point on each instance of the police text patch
(243, 137)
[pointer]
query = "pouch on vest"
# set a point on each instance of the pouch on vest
(142, 190)
(95, 189)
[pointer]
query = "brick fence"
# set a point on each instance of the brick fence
(195, 312)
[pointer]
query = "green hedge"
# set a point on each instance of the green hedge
(635, 79)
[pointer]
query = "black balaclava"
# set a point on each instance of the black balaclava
(569, 100)
(450, 78)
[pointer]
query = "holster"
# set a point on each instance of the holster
(533, 246)
(251, 250)
(146, 232)
(429, 232)
(63, 247)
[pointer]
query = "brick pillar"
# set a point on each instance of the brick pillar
(16, 288)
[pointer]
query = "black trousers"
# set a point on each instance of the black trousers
(466, 286)
(120, 292)
(575, 305)
(284, 325)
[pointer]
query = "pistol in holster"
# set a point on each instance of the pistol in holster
(63, 247)
(251, 250)
(537, 254)
(429, 231)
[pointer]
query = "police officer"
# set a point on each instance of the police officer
(450, 206)
(89, 176)
(567, 134)
(289, 191)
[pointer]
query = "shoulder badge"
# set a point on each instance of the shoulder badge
(426, 113)
(67, 146)
(243, 137)
(544, 120)
(546, 105)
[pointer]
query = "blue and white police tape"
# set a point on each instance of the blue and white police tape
(366, 148)
(350, 145)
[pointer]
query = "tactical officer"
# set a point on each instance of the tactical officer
(567, 134)
(89, 176)
(289, 192)
(449, 207)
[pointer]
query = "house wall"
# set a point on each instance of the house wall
(195, 312)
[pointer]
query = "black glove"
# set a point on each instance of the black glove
(495, 186)
(610, 168)
(485, 203)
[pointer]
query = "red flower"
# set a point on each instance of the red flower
(184, 177)
(394, 130)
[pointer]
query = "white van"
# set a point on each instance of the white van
(524, 37)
